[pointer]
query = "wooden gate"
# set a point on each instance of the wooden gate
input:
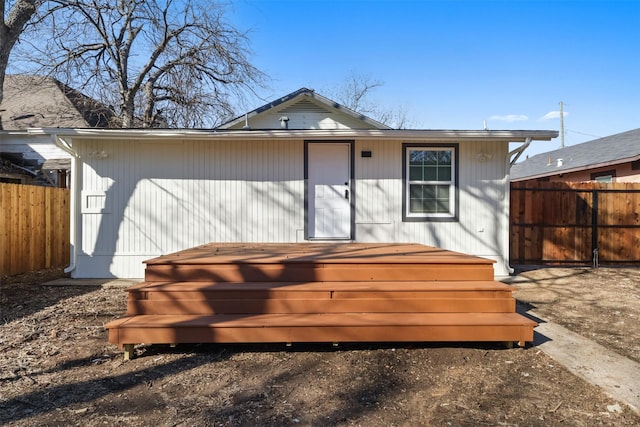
(576, 223)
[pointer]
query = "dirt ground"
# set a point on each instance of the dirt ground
(602, 304)
(56, 367)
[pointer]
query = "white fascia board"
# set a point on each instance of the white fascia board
(405, 135)
(24, 137)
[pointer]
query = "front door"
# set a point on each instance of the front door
(329, 190)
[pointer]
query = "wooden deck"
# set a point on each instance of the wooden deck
(231, 293)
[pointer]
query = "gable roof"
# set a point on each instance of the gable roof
(615, 149)
(301, 100)
(36, 101)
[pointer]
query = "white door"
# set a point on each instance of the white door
(329, 191)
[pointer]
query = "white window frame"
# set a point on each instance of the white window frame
(452, 213)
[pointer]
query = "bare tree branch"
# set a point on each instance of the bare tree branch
(172, 63)
(355, 94)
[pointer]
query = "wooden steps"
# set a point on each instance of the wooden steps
(318, 293)
(319, 297)
(343, 327)
(320, 272)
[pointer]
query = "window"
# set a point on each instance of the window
(430, 182)
(603, 176)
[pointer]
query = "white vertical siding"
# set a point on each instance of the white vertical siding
(378, 191)
(151, 198)
(164, 197)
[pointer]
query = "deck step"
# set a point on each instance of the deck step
(318, 290)
(404, 286)
(316, 272)
(326, 305)
(319, 297)
(345, 327)
(345, 253)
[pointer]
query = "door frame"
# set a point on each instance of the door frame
(352, 192)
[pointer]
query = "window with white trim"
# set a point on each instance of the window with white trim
(430, 187)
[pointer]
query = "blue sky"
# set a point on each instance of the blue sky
(456, 64)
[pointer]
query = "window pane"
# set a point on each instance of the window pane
(430, 158)
(444, 173)
(430, 173)
(415, 173)
(442, 206)
(430, 207)
(415, 191)
(606, 178)
(443, 192)
(416, 157)
(442, 202)
(444, 157)
(415, 206)
(428, 192)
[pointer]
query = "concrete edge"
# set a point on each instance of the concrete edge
(616, 375)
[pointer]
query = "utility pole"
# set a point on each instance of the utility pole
(561, 126)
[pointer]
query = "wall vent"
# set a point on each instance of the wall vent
(304, 106)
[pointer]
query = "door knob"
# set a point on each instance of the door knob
(346, 194)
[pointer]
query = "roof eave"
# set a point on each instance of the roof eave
(430, 134)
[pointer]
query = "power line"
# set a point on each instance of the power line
(582, 133)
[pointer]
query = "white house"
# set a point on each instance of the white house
(302, 168)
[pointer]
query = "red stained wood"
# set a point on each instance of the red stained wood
(345, 253)
(553, 222)
(316, 306)
(230, 293)
(354, 327)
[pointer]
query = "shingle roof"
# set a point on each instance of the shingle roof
(619, 148)
(36, 101)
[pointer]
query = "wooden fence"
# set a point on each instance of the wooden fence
(34, 228)
(575, 223)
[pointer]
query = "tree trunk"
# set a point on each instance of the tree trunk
(128, 113)
(10, 29)
(4, 60)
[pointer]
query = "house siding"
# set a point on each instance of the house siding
(146, 199)
(303, 120)
(623, 171)
(482, 192)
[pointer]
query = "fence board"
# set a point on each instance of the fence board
(564, 222)
(34, 227)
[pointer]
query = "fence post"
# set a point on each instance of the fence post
(594, 227)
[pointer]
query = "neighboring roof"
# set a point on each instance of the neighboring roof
(32, 152)
(8, 168)
(302, 99)
(36, 101)
(611, 150)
